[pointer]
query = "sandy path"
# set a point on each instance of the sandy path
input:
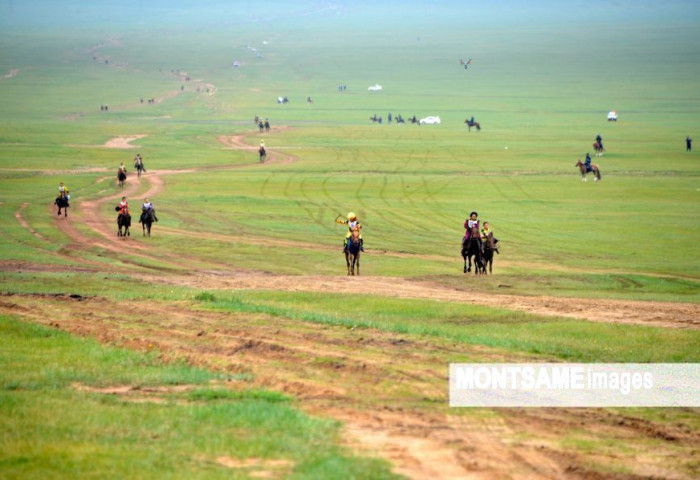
(123, 142)
(660, 314)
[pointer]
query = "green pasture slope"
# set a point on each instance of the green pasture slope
(542, 80)
(181, 422)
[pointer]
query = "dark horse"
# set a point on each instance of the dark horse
(471, 123)
(147, 219)
(471, 247)
(489, 248)
(121, 177)
(138, 164)
(352, 252)
(123, 222)
(263, 153)
(62, 203)
(594, 168)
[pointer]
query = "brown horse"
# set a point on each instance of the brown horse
(598, 149)
(594, 169)
(262, 153)
(352, 252)
(121, 177)
(472, 248)
(489, 248)
(471, 124)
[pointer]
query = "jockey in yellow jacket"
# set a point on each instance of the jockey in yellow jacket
(485, 232)
(352, 222)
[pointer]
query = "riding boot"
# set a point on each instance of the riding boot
(345, 246)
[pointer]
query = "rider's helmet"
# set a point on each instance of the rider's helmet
(351, 216)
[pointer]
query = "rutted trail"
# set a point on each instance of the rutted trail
(660, 314)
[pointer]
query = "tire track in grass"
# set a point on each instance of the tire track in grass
(318, 219)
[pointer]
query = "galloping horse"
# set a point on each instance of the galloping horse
(147, 219)
(121, 177)
(138, 164)
(352, 252)
(594, 169)
(489, 248)
(123, 222)
(598, 149)
(471, 124)
(471, 248)
(263, 153)
(62, 203)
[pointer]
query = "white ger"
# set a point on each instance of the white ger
(375, 88)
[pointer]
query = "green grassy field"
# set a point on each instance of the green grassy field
(543, 78)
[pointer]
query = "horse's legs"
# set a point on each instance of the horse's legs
(357, 261)
(347, 261)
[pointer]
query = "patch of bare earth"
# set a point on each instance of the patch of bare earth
(388, 389)
(122, 142)
(12, 73)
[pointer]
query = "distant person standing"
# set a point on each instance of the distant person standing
(688, 144)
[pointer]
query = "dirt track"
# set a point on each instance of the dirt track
(418, 434)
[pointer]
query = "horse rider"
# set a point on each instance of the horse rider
(146, 209)
(688, 144)
(352, 222)
(63, 192)
(138, 162)
(123, 208)
(471, 222)
(485, 232)
(587, 163)
(599, 139)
